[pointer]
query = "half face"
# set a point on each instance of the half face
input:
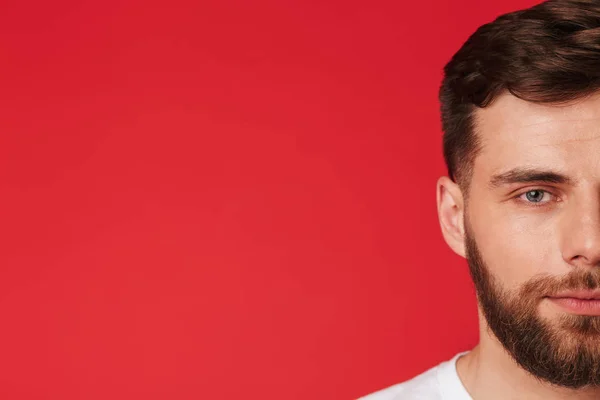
(532, 227)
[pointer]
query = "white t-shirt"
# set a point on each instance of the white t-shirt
(438, 383)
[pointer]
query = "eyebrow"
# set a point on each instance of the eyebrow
(526, 175)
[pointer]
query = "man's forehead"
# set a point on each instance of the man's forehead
(514, 133)
(509, 113)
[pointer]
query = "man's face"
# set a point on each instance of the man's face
(532, 228)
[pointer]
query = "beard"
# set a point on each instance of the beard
(564, 351)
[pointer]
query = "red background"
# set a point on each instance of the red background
(223, 200)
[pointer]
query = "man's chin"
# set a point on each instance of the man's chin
(561, 322)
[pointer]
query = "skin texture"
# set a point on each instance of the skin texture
(554, 241)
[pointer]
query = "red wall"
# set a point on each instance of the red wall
(225, 200)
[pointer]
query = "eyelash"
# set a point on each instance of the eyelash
(534, 204)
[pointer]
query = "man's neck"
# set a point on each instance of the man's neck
(488, 372)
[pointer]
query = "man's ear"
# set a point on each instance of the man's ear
(450, 207)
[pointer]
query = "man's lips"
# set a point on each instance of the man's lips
(579, 294)
(580, 302)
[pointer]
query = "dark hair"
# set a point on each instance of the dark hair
(549, 53)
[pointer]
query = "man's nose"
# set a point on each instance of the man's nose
(581, 237)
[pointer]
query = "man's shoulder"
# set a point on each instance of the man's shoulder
(436, 383)
(422, 387)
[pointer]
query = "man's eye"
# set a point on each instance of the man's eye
(536, 196)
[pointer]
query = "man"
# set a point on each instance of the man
(520, 104)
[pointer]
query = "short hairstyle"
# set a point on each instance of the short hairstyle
(549, 53)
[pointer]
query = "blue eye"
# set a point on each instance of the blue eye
(535, 196)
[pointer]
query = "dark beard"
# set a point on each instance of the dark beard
(565, 352)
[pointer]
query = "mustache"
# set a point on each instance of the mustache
(547, 285)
